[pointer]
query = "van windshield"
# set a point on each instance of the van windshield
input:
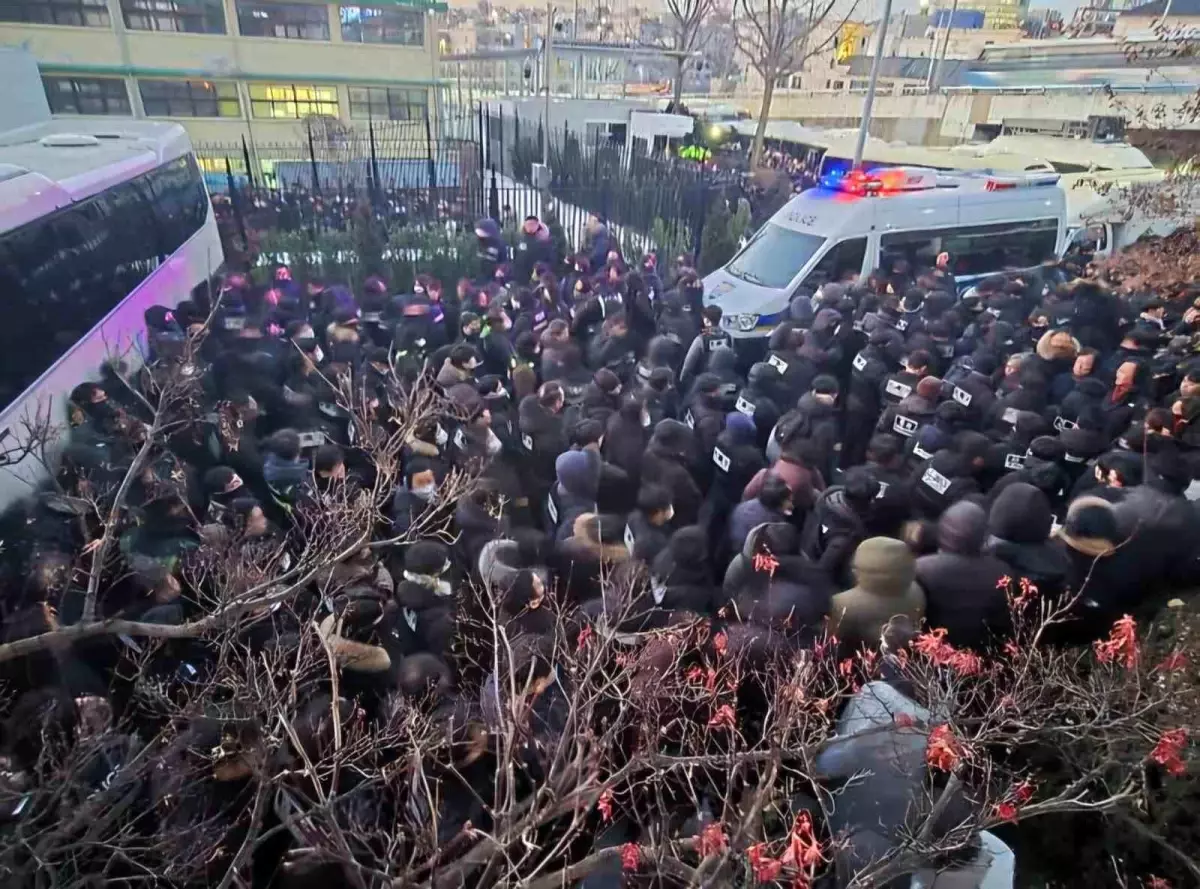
(774, 256)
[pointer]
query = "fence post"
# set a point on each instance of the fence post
(500, 139)
(235, 201)
(376, 183)
(494, 197)
(483, 135)
(312, 160)
(429, 155)
(249, 166)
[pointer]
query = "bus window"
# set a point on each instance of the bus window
(62, 274)
(843, 260)
(976, 249)
(774, 256)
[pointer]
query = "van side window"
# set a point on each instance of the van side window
(843, 259)
(976, 249)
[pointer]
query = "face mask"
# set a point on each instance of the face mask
(645, 421)
(424, 492)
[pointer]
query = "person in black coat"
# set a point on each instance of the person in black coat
(648, 528)
(626, 435)
(668, 460)
(839, 522)
(963, 593)
(1019, 524)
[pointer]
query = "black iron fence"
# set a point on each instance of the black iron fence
(464, 165)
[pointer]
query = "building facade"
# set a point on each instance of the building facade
(266, 71)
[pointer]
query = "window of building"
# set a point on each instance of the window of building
(976, 249)
(184, 16)
(293, 21)
(291, 100)
(386, 103)
(62, 274)
(189, 98)
(86, 95)
(82, 13)
(383, 24)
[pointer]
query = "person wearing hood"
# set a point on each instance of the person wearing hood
(491, 249)
(668, 461)
(524, 608)
(706, 411)
(723, 364)
(496, 342)
(1083, 440)
(756, 401)
(413, 500)
(1107, 577)
(601, 398)
(1042, 468)
(592, 545)
(885, 587)
(534, 247)
(781, 589)
(963, 590)
(1124, 402)
(815, 421)
(1029, 395)
(575, 492)
(1019, 523)
(502, 559)
(648, 527)
(839, 522)
(425, 594)
(458, 367)
(626, 435)
(286, 472)
(480, 516)
(680, 577)
(949, 475)
(794, 467)
(772, 505)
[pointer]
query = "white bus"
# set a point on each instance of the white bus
(843, 229)
(99, 220)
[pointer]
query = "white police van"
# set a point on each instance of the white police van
(849, 226)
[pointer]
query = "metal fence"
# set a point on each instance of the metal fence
(465, 165)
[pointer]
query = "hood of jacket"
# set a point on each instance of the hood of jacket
(962, 529)
(1048, 351)
(813, 408)
(884, 566)
(913, 405)
(582, 536)
(1021, 514)
(578, 473)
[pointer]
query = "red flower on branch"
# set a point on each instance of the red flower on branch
(966, 663)
(803, 849)
(943, 751)
(1158, 883)
(846, 666)
(764, 867)
(605, 805)
(721, 643)
(1121, 646)
(712, 840)
(584, 635)
(933, 645)
(631, 856)
(1003, 582)
(1022, 793)
(1005, 812)
(723, 718)
(1168, 752)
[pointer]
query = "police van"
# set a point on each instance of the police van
(851, 225)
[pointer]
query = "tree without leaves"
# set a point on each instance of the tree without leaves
(776, 37)
(687, 19)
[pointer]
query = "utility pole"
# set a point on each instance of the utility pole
(936, 65)
(869, 101)
(549, 50)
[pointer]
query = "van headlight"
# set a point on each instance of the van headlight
(747, 323)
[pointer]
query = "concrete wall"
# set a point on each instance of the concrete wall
(950, 118)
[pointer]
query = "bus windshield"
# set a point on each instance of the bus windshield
(774, 256)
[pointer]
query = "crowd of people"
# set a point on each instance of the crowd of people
(897, 453)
